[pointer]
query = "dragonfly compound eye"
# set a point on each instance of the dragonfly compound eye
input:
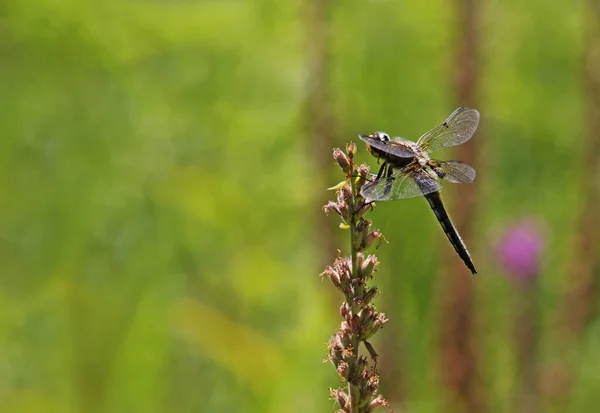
(382, 136)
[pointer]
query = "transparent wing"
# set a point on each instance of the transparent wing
(397, 146)
(458, 128)
(457, 172)
(404, 183)
(401, 140)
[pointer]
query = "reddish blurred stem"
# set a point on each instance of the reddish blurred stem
(583, 289)
(580, 300)
(458, 356)
(318, 118)
(525, 326)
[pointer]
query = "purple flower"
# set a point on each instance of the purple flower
(519, 250)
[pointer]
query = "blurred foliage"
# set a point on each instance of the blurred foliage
(157, 204)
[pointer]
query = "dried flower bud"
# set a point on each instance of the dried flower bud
(334, 276)
(344, 267)
(369, 266)
(335, 279)
(369, 295)
(347, 353)
(380, 320)
(345, 311)
(341, 397)
(363, 171)
(342, 160)
(369, 238)
(344, 195)
(378, 402)
(374, 324)
(336, 350)
(373, 383)
(333, 342)
(367, 317)
(343, 369)
(363, 207)
(359, 259)
(332, 206)
(351, 149)
(345, 334)
(346, 282)
(362, 228)
(372, 352)
(341, 207)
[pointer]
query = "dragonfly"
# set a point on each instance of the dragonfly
(407, 171)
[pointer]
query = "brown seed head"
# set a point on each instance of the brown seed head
(369, 266)
(341, 397)
(369, 295)
(345, 311)
(378, 402)
(344, 195)
(343, 369)
(363, 171)
(371, 237)
(351, 149)
(332, 206)
(342, 160)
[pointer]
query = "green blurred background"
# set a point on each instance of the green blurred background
(164, 164)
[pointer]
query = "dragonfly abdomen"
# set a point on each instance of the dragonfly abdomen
(435, 202)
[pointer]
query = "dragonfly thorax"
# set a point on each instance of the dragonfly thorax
(421, 156)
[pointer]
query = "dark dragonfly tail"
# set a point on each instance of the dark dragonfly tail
(435, 201)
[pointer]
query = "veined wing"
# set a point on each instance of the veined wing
(456, 172)
(397, 146)
(404, 183)
(458, 128)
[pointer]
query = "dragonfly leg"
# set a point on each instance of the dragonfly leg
(366, 204)
(389, 181)
(383, 166)
(374, 181)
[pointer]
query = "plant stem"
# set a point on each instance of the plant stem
(353, 389)
(360, 319)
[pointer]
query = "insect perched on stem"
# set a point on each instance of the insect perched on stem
(407, 170)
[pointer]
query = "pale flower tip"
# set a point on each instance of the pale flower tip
(337, 187)
(343, 369)
(341, 397)
(363, 170)
(342, 160)
(369, 265)
(351, 149)
(378, 402)
(344, 225)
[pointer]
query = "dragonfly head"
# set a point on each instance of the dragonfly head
(377, 136)
(380, 136)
